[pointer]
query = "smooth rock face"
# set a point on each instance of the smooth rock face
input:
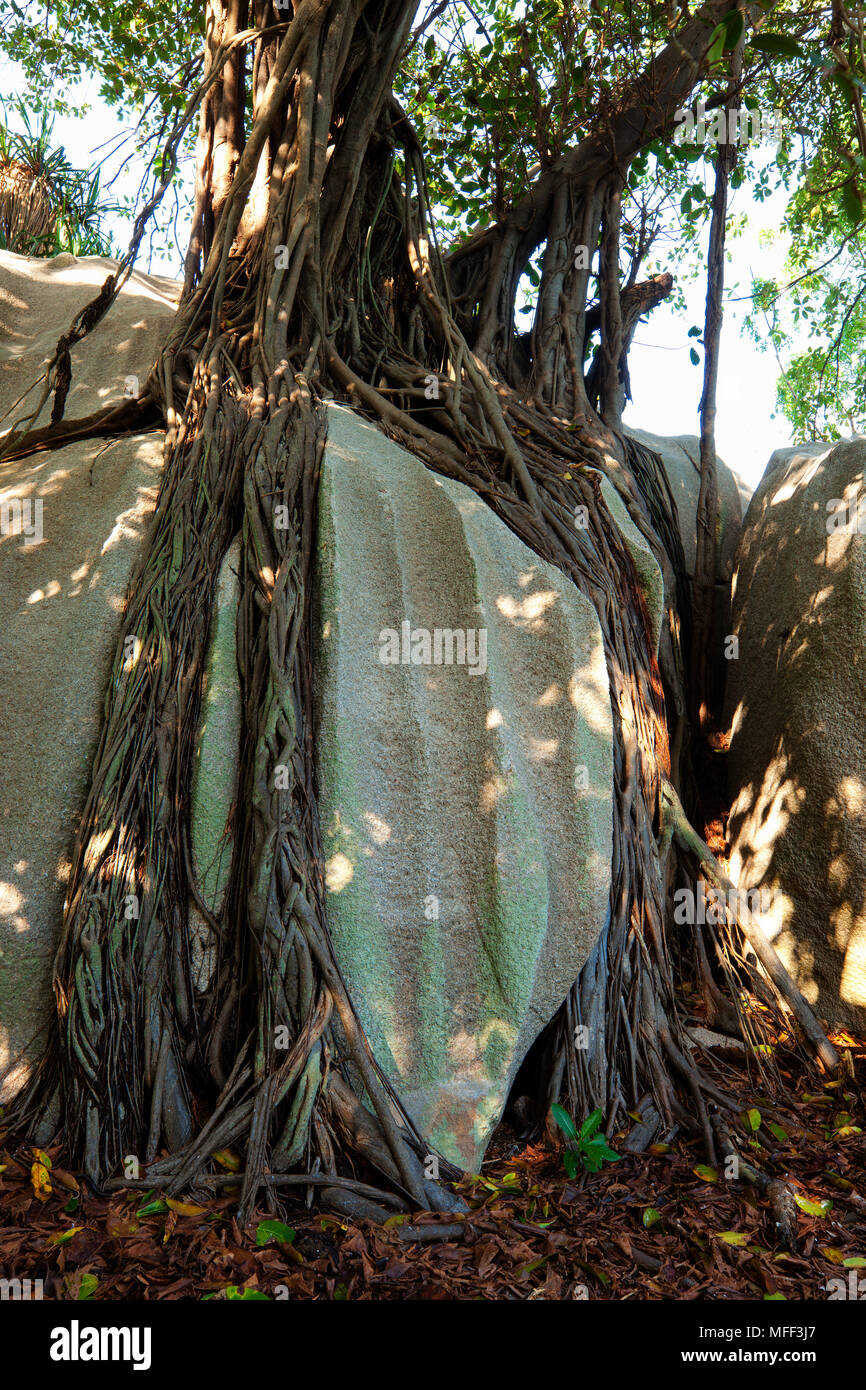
(797, 696)
(215, 773)
(39, 298)
(466, 809)
(60, 603)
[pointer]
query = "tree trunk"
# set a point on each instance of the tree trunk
(708, 498)
(310, 271)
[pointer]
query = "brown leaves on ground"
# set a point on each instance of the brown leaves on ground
(657, 1226)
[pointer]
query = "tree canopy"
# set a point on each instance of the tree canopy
(500, 93)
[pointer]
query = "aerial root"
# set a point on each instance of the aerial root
(691, 842)
(779, 1194)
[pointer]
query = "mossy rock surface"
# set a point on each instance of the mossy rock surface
(216, 758)
(466, 814)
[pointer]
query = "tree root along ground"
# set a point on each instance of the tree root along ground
(653, 1226)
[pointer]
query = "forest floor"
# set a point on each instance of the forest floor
(663, 1225)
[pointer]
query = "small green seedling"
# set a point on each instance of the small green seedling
(589, 1148)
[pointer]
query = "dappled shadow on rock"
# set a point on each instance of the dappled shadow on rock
(73, 522)
(796, 696)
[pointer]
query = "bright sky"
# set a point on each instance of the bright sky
(665, 385)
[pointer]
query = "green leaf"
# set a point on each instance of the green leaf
(152, 1208)
(832, 1254)
(184, 1208)
(564, 1120)
(236, 1294)
(820, 1207)
(274, 1230)
(734, 25)
(842, 1183)
(570, 1163)
(80, 1286)
(63, 1236)
(776, 46)
(650, 1216)
(777, 1131)
(852, 203)
(752, 1119)
(535, 1264)
(599, 1148)
(717, 44)
(854, 1262)
(591, 1124)
(706, 1173)
(732, 1237)
(695, 356)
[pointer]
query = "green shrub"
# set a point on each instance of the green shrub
(46, 205)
